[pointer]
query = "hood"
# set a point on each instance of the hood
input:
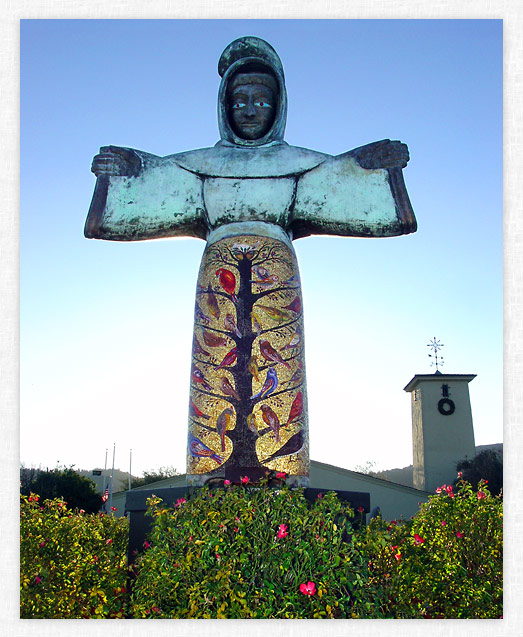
(243, 55)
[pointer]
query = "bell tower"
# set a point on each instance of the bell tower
(442, 429)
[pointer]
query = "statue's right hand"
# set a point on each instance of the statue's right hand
(115, 161)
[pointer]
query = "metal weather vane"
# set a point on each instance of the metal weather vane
(435, 345)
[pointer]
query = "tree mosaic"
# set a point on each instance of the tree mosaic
(247, 375)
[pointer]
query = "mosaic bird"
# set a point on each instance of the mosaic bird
(198, 314)
(271, 280)
(270, 354)
(213, 340)
(195, 411)
(270, 384)
(230, 324)
(227, 388)
(292, 446)
(274, 313)
(253, 368)
(199, 450)
(297, 376)
(212, 303)
(251, 423)
(222, 424)
(197, 348)
(261, 272)
(295, 340)
(271, 419)
(198, 377)
(295, 305)
(229, 358)
(296, 409)
(228, 282)
(256, 322)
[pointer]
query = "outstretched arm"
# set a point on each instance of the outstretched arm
(142, 196)
(360, 193)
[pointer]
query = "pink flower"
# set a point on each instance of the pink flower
(397, 556)
(443, 523)
(360, 510)
(227, 483)
(190, 538)
(449, 489)
(308, 589)
(245, 480)
(236, 519)
(418, 539)
(155, 609)
(109, 541)
(82, 510)
(460, 474)
(459, 534)
(320, 496)
(282, 532)
(481, 495)
(38, 579)
(42, 544)
(180, 501)
(146, 544)
(281, 475)
(236, 529)
(218, 557)
(114, 509)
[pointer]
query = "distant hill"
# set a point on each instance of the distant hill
(404, 475)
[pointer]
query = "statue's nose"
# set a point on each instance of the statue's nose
(250, 111)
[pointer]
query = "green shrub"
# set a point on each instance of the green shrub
(252, 553)
(446, 562)
(72, 565)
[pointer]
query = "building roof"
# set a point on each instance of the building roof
(437, 376)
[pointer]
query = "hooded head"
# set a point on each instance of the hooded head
(250, 68)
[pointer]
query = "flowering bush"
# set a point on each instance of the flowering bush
(72, 564)
(447, 562)
(245, 552)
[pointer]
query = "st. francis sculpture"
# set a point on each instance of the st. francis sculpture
(248, 197)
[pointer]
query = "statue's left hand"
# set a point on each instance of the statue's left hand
(382, 154)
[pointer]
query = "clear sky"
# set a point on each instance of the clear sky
(106, 327)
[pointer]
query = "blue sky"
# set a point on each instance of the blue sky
(106, 328)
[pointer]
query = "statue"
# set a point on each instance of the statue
(249, 197)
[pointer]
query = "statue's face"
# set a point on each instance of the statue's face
(251, 110)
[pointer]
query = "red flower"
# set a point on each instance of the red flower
(481, 495)
(236, 519)
(38, 579)
(281, 475)
(320, 496)
(42, 544)
(443, 523)
(146, 544)
(360, 510)
(397, 556)
(180, 501)
(227, 483)
(459, 534)
(449, 489)
(190, 538)
(308, 589)
(282, 532)
(418, 539)
(236, 529)
(114, 509)
(109, 541)
(460, 474)
(155, 609)
(218, 557)
(245, 480)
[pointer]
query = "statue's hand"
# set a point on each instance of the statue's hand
(382, 154)
(115, 161)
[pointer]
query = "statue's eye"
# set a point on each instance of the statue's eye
(262, 104)
(238, 105)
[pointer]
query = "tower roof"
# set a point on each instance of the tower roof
(439, 377)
